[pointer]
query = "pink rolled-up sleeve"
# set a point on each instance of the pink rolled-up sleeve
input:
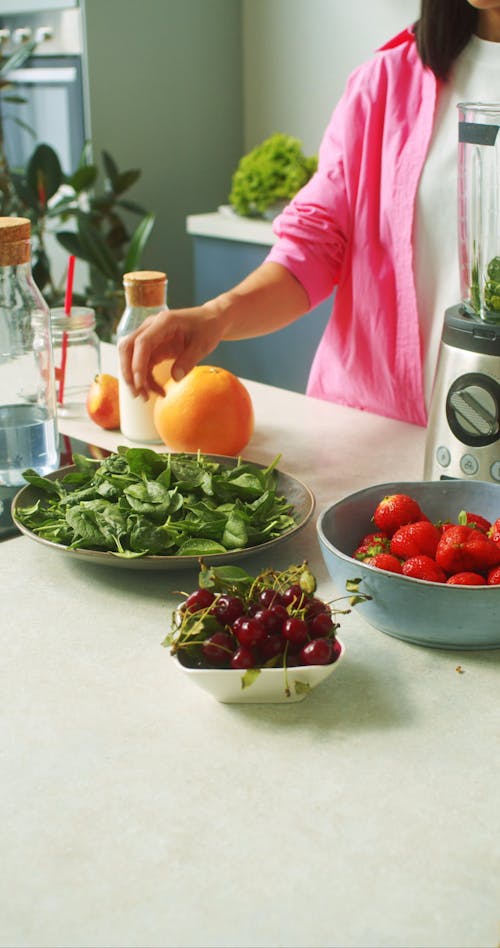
(312, 230)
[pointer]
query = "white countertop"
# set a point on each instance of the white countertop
(227, 225)
(136, 810)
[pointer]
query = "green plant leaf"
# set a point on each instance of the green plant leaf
(41, 269)
(71, 242)
(124, 180)
(110, 167)
(249, 677)
(44, 168)
(271, 173)
(352, 585)
(96, 249)
(24, 191)
(83, 178)
(131, 206)
(301, 687)
(138, 241)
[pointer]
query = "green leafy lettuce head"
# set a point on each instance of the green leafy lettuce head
(272, 173)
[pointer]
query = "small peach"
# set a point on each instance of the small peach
(102, 401)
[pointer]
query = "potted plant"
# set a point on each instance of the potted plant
(86, 220)
(86, 223)
(269, 176)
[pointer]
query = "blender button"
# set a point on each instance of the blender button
(469, 464)
(495, 470)
(443, 456)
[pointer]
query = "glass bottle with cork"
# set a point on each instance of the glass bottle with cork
(145, 295)
(28, 411)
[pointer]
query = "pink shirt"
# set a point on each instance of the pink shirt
(351, 227)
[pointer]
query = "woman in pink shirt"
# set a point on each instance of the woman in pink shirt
(351, 227)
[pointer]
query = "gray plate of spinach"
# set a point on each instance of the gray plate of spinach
(142, 509)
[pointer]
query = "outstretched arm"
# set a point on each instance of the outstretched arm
(265, 301)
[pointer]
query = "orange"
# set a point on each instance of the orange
(102, 401)
(209, 410)
(161, 371)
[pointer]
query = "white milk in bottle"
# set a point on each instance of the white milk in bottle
(145, 295)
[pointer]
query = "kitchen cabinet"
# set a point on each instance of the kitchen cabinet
(225, 250)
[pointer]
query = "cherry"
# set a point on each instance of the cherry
(271, 621)
(269, 597)
(227, 609)
(271, 646)
(317, 652)
(249, 632)
(293, 660)
(199, 599)
(219, 648)
(237, 623)
(281, 613)
(243, 658)
(320, 625)
(336, 649)
(316, 607)
(252, 608)
(294, 595)
(295, 630)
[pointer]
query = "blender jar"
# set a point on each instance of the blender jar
(479, 208)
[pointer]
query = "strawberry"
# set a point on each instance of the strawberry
(494, 531)
(466, 579)
(414, 538)
(493, 577)
(385, 561)
(424, 567)
(371, 544)
(464, 548)
(468, 519)
(394, 511)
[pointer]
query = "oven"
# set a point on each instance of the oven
(51, 82)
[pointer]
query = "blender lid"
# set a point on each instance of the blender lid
(464, 332)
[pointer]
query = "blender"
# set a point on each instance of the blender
(463, 434)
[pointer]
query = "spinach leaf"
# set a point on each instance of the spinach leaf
(197, 546)
(138, 502)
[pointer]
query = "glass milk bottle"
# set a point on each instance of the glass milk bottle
(28, 426)
(145, 295)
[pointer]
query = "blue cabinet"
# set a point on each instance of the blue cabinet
(281, 358)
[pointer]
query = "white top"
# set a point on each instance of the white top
(475, 78)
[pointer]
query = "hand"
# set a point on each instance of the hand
(184, 335)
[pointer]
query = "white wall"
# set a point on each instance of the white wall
(297, 55)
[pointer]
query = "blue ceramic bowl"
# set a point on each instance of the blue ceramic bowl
(432, 614)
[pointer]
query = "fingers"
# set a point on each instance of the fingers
(154, 341)
(153, 385)
(184, 336)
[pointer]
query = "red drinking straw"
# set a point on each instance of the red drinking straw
(67, 309)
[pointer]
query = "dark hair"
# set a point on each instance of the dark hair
(444, 28)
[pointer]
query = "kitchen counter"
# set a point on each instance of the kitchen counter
(225, 224)
(136, 810)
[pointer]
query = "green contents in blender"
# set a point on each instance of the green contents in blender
(492, 286)
(491, 289)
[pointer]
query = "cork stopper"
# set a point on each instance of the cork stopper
(15, 235)
(145, 288)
